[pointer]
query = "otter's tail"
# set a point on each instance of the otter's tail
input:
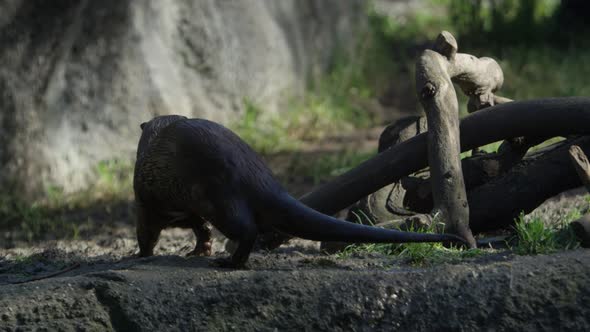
(297, 219)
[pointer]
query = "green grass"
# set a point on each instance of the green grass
(418, 254)
(265, 133)
(536, 237)
(544, 72)
(114, 182)
(386, 53)
(33, 221)
(533, 236)
(326, 166)
(535, 65)
(310, 119)
(44, 217)
(334, 103)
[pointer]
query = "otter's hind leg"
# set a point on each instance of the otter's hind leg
(147, 233)
(203, 233)
(235, 220)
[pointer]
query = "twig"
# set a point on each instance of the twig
(51, 275)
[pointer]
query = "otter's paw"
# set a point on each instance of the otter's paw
(226, 263)
(202, 250)
(144, 254)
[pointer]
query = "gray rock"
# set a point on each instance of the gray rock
(78, 77)
(288, 292)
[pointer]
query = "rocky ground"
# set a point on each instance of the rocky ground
(96, 283)
(303, 291)
(103, 287)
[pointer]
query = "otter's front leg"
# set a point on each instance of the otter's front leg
(147, 233)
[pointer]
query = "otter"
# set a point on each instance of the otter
(191, 172)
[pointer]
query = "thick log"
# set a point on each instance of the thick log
(580, 161)
(523, 187)
(477, 170)
(540, 117)
(581, 228)
(388, 202)
(497, 203)
(581, 164)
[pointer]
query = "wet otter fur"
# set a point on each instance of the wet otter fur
(193, 171)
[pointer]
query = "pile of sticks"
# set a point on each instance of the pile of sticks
(485, 191)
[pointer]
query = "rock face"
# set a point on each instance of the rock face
(78, 77)
(285, 293)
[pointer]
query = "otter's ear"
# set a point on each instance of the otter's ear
(142, 125)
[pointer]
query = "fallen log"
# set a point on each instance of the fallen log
(477, 170)
(495, 205)
(581, 226)
(522, 188)
(581, 164)
(387, 202)
(539, 117)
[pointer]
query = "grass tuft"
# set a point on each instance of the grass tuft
(44, 218)
(418, 254)
(535, 237)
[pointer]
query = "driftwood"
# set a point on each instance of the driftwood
(522, 124)
(582, 165)
(437, 95)
(495, 204)
(478, 78)
(552, 117)
(582, 229)
(477, 170)
(388, 201)
(506, 192)
(497, 212)
(396, 205)
(524, 187)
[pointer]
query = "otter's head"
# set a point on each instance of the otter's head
(151, 129)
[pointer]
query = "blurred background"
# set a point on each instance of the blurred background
(310, 84)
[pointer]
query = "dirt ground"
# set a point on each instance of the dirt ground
(302, 291)
(292, 288)
(100, 285)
